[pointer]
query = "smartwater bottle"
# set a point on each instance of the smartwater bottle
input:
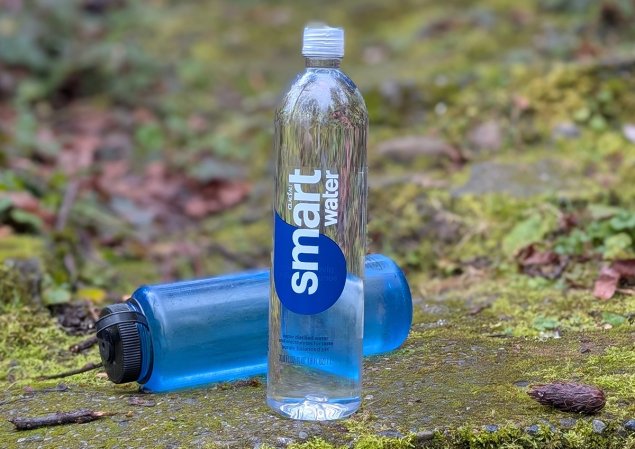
(193, 333)
(316, 310)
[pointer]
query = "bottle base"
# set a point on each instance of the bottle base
(312, 408)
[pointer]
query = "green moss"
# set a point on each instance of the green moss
(454, 372)
(362, 442)
(581, 436)
(508, 436)
(315, 443)
(12, 290)
(580, 93)
(20, 247)
(32, 345)
(519, 306)
(611, 370)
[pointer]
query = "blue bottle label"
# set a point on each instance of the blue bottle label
(309, 268)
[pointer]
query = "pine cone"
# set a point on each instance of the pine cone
(569, 397)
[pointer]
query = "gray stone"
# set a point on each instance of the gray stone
(390, 434)
(303, 435)
(486, 137)
(568, 422)
(598, 426)
(533, 429)
(566, 130)
(629, 132)
(630, 425)
(407, 148)
(491, 428)
(31, 439)
(552, 428)
(283, 441)
(420, 437)
(517, 180)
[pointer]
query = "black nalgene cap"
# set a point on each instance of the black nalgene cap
(120, 342)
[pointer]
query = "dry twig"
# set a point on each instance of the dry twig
(84, 344)
(83, 369)
(56, 419)
(67, 204)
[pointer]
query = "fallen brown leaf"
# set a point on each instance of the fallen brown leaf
(625, 267)
(5, 231)
(547, 264)
(606, 284)
(610, 277)
(167, 194)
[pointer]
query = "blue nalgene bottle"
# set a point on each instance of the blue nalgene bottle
(316, 310)
(189, 334)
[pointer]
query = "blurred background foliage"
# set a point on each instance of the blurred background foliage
(135, 136)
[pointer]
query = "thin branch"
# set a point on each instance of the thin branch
(57, 389)
(83, 369)
(72, 188)
(84, 344)
(56, 419)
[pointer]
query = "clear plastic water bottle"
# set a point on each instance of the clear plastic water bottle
(316, 312)
(192, 333)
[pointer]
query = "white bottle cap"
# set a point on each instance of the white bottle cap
(322, 41)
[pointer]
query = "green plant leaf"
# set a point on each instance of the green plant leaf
(613, 319)
(616, 245)
(597, 123)
(602, 211)
(27, 218)
(582, 115)
(623, 220)
(543, 323)
(531, 230)
(5, 204)
(56, 295)
(574, 243)
(150, 137)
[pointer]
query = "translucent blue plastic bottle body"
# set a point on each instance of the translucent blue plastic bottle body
(215, 329)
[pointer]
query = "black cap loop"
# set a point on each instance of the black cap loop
(114, 318)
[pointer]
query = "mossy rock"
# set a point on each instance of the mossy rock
(21, 270)
(458, 382)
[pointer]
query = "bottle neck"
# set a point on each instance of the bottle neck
(322, 62)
